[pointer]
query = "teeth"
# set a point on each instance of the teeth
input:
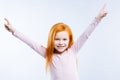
(60, 46)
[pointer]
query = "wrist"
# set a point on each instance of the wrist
(98, 18)
(12, 31)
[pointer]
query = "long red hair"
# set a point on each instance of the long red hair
(51, 37)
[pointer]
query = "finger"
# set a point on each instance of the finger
(104, 6)
(7, 27)
(6, 21)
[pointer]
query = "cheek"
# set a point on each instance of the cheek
(67, 42)
(55, 42)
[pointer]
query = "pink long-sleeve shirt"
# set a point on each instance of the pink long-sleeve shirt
(63, 66)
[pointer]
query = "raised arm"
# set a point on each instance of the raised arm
(35, 46)
(82, 39)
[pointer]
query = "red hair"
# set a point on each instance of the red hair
(50, 45)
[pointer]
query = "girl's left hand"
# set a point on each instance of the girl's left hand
(102, 13)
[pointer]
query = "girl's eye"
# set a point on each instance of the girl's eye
(65, 39)
(57, 39)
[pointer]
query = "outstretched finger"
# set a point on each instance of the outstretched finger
(6, 20)
(104, 6)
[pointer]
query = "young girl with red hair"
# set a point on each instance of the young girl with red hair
(61, 50)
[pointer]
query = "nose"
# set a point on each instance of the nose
(60, 42)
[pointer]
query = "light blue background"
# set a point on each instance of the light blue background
(99, 58)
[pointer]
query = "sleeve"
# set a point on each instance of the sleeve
(38, 48)
(82, 39)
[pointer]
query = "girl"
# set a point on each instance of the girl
(61, 51)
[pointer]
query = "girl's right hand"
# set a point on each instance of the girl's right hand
(8, 26)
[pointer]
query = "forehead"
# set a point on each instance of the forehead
(62, 34)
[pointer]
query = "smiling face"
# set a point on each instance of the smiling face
(60, 38)
(61, 41)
